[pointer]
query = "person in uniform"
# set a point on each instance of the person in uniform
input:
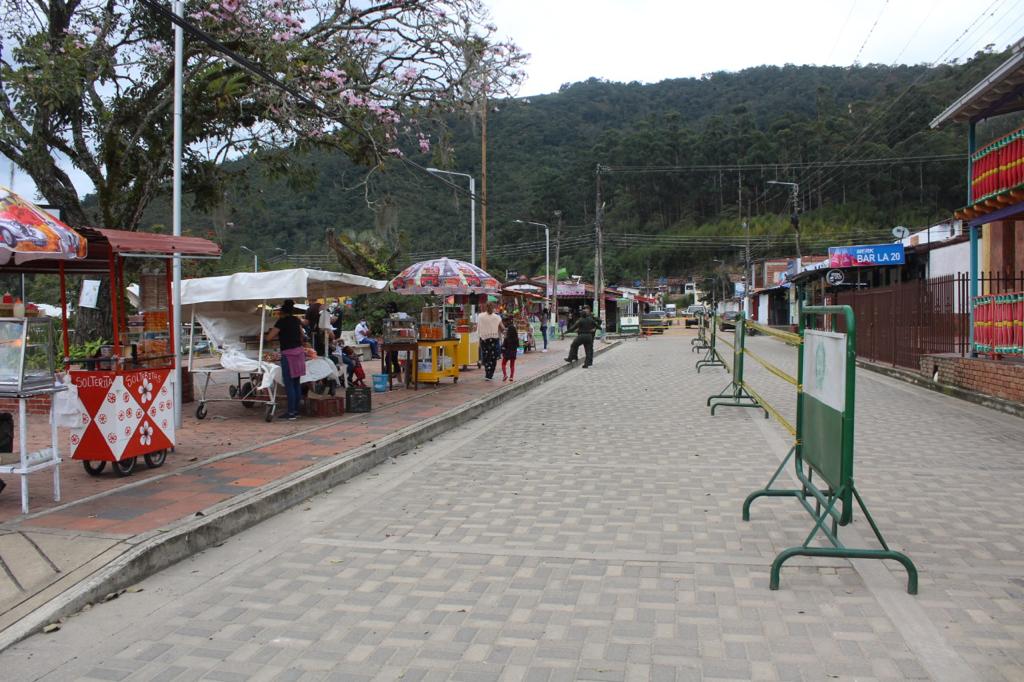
(585, 327)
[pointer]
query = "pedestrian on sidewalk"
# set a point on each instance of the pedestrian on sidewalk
(489, 328)
(288, 329)
(585, 327)
(544, 314)
(509, 350)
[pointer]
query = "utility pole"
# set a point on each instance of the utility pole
(554, 280)
(483, 184)
(598, 256)
(794, 218)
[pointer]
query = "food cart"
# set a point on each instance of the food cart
(125, 397)
(232, 312)
(30, 237)
(446, 341)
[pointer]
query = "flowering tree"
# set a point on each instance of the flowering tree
(90, 83)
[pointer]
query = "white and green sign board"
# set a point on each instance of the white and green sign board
(824, 403)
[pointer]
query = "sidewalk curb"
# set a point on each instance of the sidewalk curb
(152, 552)
(993, 403)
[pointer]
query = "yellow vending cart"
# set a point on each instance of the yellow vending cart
(468, 351)
(437, 350)
(437, 360)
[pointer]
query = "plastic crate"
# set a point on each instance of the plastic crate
(357, 399)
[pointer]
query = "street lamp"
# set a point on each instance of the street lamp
(547, 264)
(255, 258)
(472, 208)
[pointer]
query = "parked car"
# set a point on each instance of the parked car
(654, 322)
(691, 316)
(728, 320)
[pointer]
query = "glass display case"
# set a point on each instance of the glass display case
(400, 328)
(26, 354)
(432, 326)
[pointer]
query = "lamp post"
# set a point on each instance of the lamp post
(472, 208)
(547, 264)
(255, 258)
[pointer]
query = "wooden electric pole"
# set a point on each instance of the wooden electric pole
(483, 184)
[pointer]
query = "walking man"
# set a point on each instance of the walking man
(489, 327)
(585, 327)
(544, 328)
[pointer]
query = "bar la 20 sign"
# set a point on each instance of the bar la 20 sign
(864, 256)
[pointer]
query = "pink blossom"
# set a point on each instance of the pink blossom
(230, 6)
(424, 145)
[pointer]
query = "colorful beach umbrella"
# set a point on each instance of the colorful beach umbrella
(27, 232)
(444, 277)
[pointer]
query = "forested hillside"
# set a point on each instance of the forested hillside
(670, 182)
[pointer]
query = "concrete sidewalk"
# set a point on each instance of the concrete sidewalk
(55, 561)
(591, 530)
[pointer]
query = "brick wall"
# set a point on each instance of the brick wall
(999, 378)
(39, 404)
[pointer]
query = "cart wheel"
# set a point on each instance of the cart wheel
(232, 390)
(247, 393)
(455, 380)
(270, 413)
(94, 467)
(156, 459)
(125, 467)
(201, 411)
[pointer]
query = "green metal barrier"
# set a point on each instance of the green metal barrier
(711, 358)
(735, 393)
(700, 342)
(824, 445)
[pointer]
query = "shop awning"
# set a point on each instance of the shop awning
(126, 243)
(275, 285)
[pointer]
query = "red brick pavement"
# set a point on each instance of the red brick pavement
(201, 473)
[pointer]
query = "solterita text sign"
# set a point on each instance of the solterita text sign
(861, 256)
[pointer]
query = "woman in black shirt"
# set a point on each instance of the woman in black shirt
(288, 330)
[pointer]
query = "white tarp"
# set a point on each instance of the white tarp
(227, 307)
(235, 360)
(276, 285)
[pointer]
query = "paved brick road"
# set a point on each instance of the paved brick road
(591, 530)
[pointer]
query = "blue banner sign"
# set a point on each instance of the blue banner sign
(865, 256)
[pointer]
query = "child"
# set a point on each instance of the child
(509, 347)
(354, 365)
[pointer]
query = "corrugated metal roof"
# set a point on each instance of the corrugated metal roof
(124, 243)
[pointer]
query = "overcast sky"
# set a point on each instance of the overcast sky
(651, 40)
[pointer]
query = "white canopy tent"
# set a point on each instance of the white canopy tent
(234, 306)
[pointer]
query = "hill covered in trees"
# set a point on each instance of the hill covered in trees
(685, 163)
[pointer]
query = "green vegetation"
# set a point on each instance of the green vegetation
(543, 152)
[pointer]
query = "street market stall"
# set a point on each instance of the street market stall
(125, 398)
(232, 311)
(27, 364)
(447, 336)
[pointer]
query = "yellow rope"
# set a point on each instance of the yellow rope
(770, 367)
(789, 337)
(771, 410)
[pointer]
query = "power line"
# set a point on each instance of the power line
(881, 161)
(871, 31)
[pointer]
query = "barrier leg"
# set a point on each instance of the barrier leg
(767, 491)
(738, 398)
